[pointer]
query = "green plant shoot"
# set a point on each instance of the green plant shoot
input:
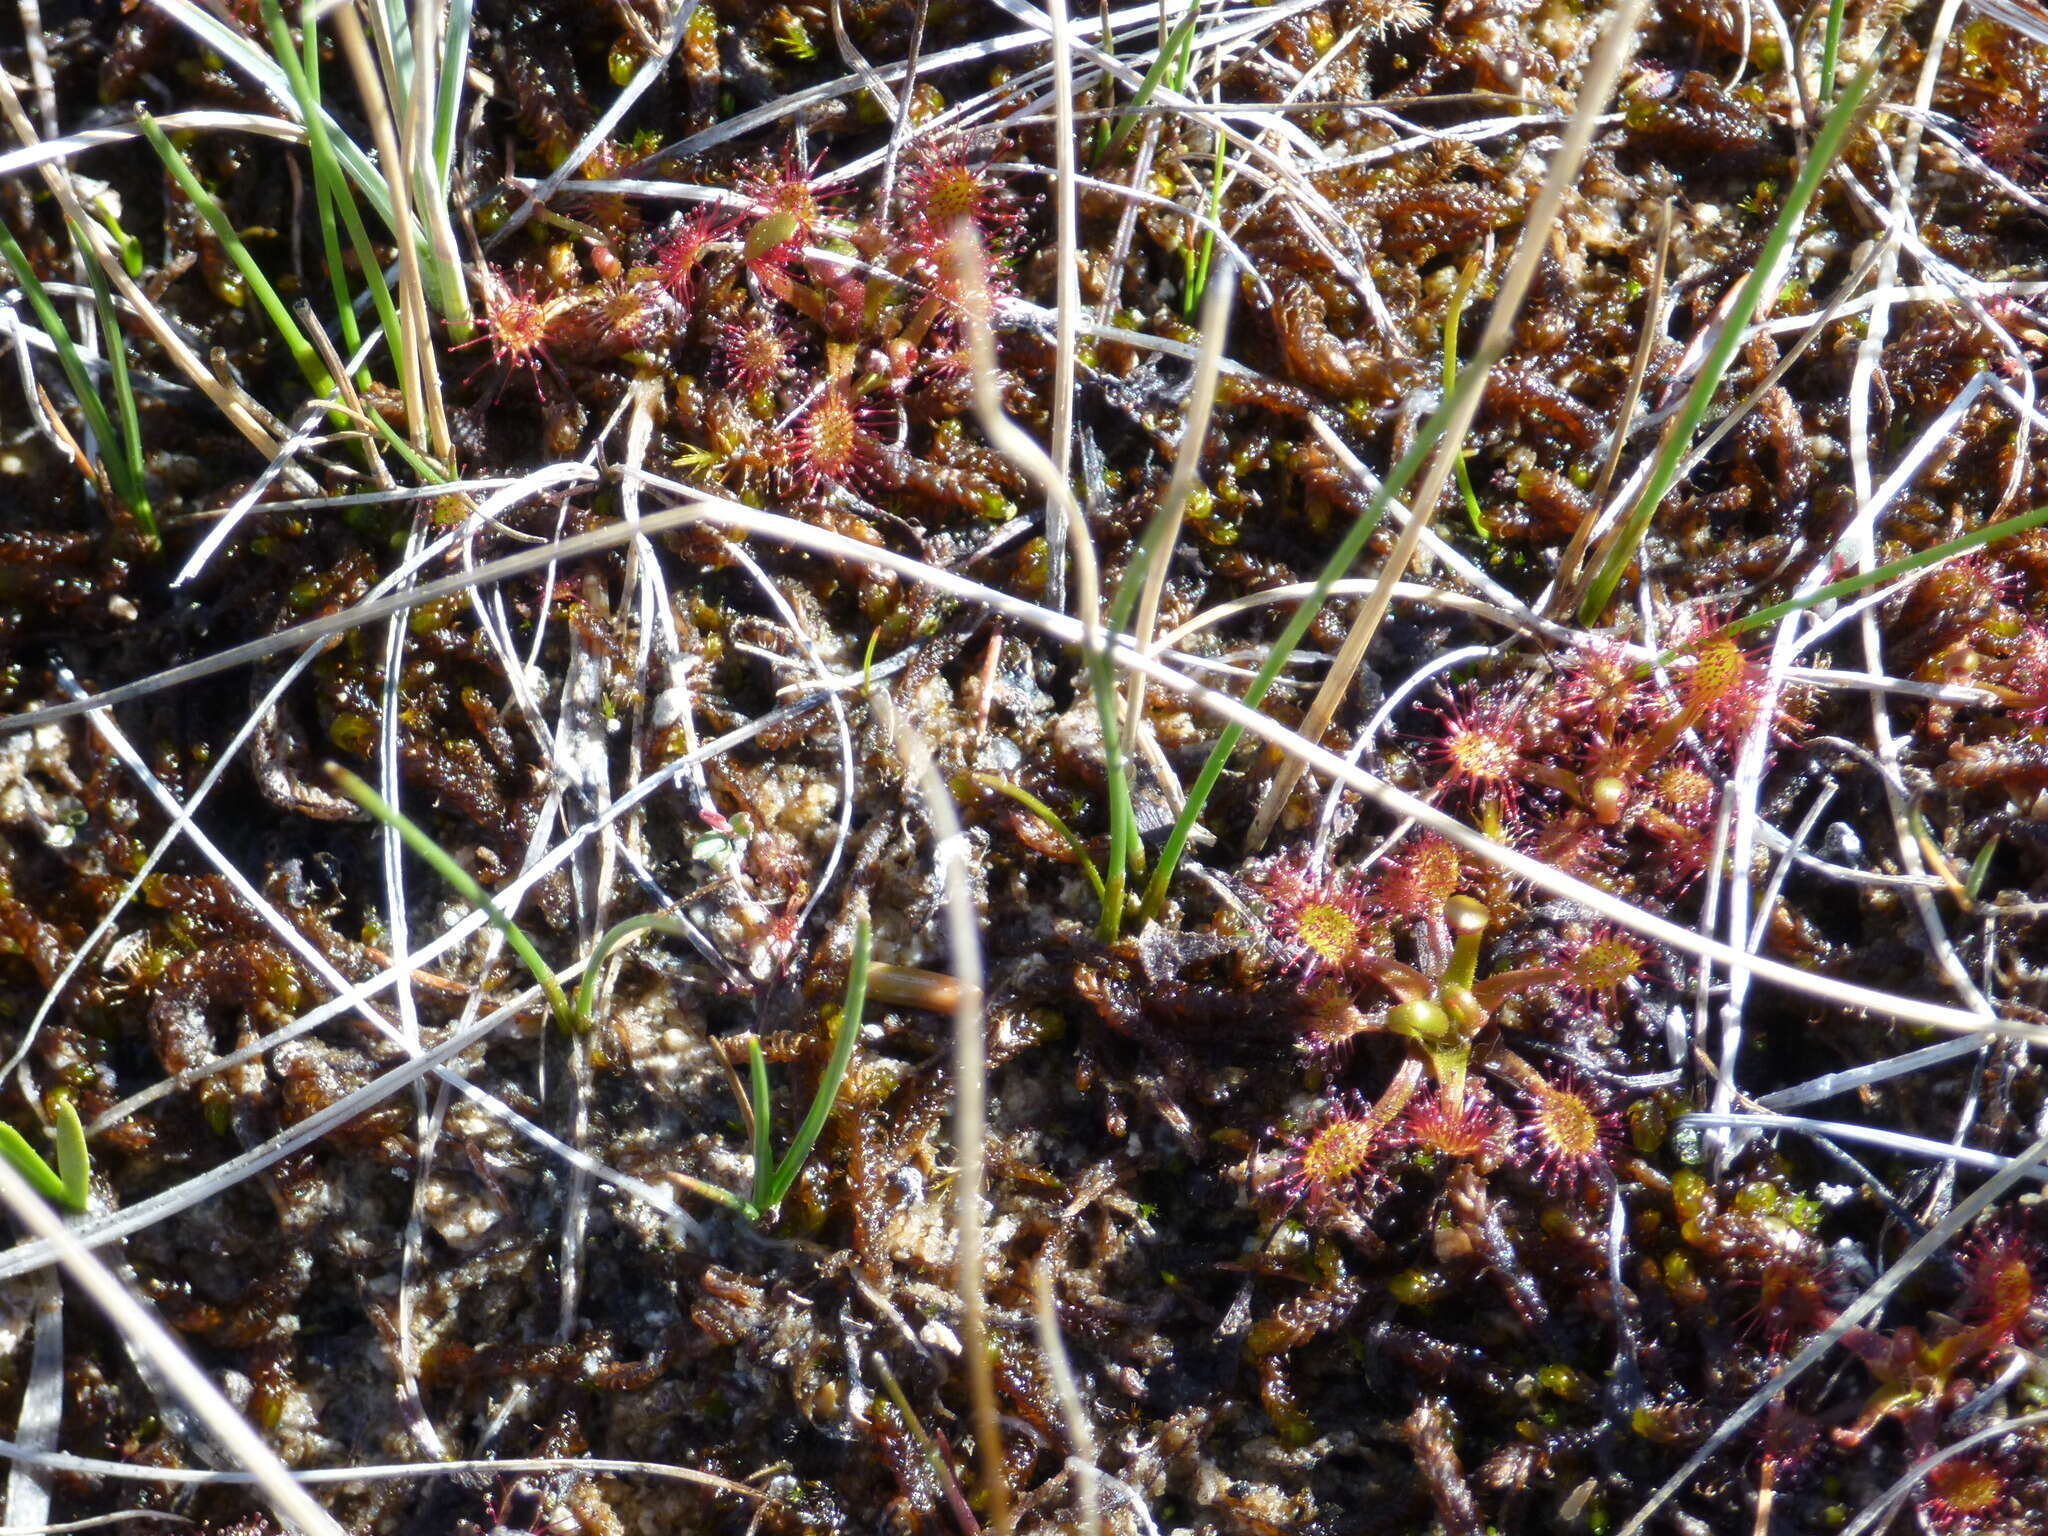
(773, 1180)
(231, 241)
(465, 884)
(122, 458)
(1341, 560)
(1678, 436)
(70, 1184)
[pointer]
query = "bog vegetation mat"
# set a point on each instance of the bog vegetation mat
(898, 766)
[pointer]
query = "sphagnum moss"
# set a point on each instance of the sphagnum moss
(1359, 1178)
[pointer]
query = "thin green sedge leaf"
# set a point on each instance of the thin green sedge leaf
(130, 480)
(867, 661)
(303, 78)
(429, 469)
(1095, 651)
(1199, 285)
(1831, 49)
(465, 885)
(835, 1070)
(1125, 851)
(1340, 561)
(70, 1185)
(328, 172)
(1123, 823)
(1108, 88)
(1184, 59)
(454, 66)
(1176, 41)
(1980, 867)
(77, 376)
(763, 1107)
(337, 276)
(724, 1197)
(451, 291)
(934, 1461)
(1848, 586)
(74, 1166)
(235, 46)
(398, 70)
(614, 936)
(1622, 546)
(68, 358)
(29, 1164)
(1452, 314)
(231, 241)
(324, 195)
(1051, 818)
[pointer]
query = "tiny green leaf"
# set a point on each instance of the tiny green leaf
(764, 1151)
(835, 1072)
(70, 1188)
(73, 1164)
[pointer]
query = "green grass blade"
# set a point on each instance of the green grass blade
(231, 241)
(74, 1164)
(234, 46)
(337, 275)
(835, 1071)
(75, 372)
(1678, 438)
(1125, 851)
(303, 77)
(451, 289)
(617, 934)
(366, 253)
(1198, 283)
(29, 1164)
(328, 187)
(1452, 314)
(128, 478)
(1340, 561)
(1176, 44)
(1980, 867)
(1102, 128)
(934, 1460)
(1849, 586)
(454, 68)
(463, 881)
(1051, 818)
(430, 471)
(712, 1192)
(1123, 823)
(399, 20)
(763, 1107)
(1831, 49)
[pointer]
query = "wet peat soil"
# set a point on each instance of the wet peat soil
(1324, 1261)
